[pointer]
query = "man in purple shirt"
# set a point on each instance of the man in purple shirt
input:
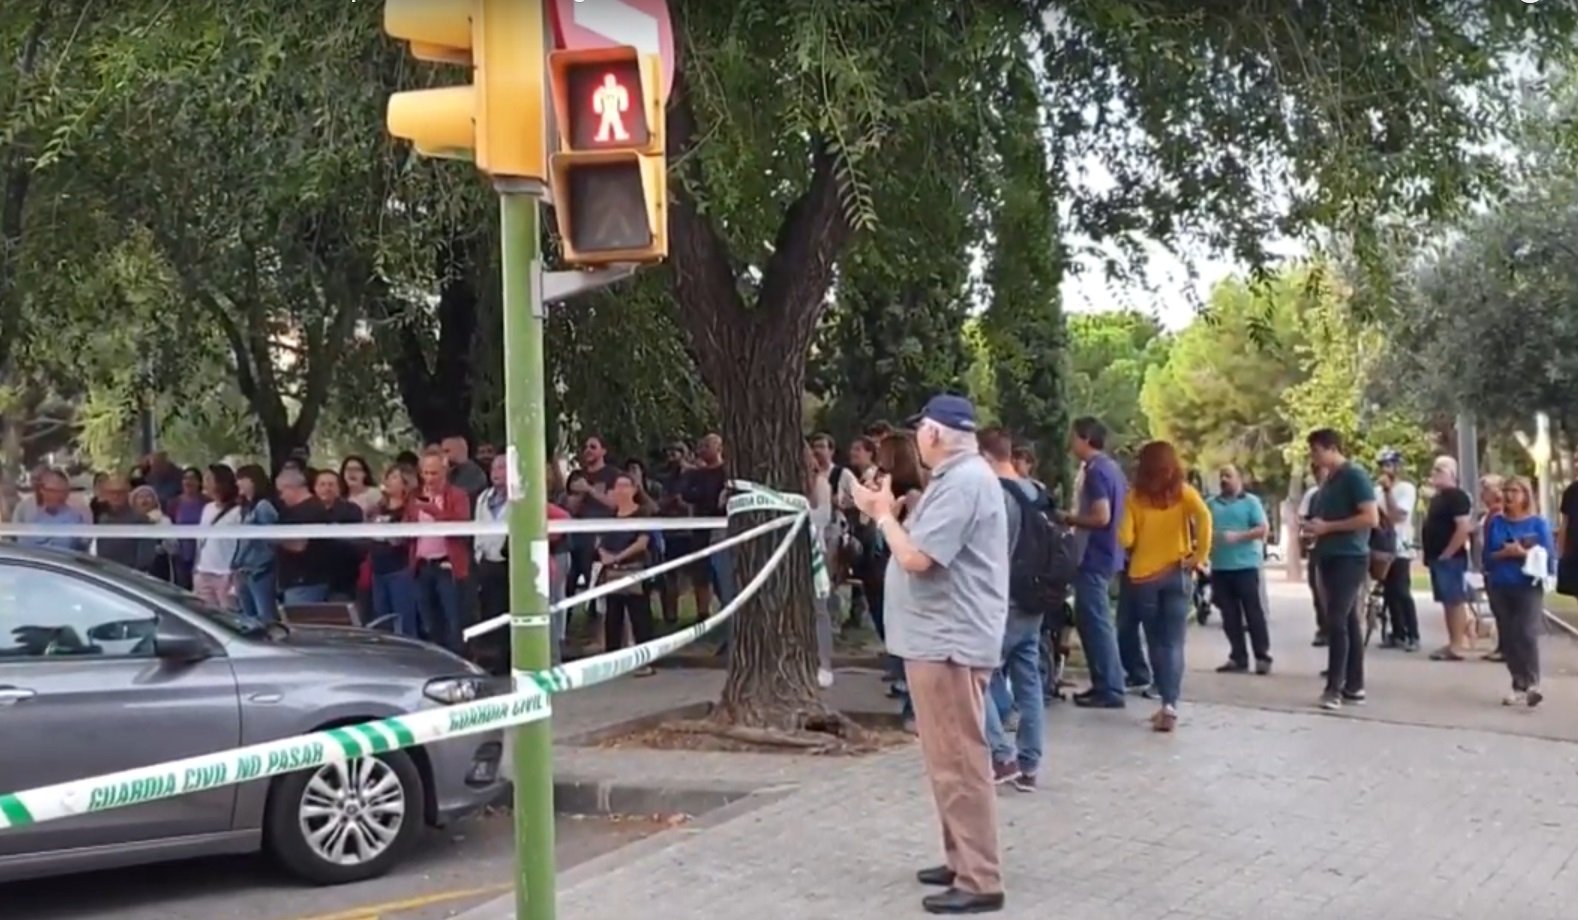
(1098, 507)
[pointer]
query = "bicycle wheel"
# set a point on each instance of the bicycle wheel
(1372, 618)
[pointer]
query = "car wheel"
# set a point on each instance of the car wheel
(346, 822)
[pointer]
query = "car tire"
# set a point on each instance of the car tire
(303, 802)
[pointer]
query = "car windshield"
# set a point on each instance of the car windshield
(179, 597)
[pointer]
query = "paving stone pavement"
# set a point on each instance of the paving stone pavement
(1432, 803)
(1244, 814)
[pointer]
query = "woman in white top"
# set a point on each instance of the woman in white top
(213, 572)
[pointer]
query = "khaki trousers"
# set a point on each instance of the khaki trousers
(950, 718)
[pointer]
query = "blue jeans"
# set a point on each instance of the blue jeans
(1020, 674)
(258, 598)
(306, 594)
(1162, 605)
(394, 595)
(1131, 651)
(1093, 620)
(438, 604)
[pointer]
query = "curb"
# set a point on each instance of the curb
(1560, 625)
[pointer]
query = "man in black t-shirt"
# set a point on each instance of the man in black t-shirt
(303, 567)
(1443, 538)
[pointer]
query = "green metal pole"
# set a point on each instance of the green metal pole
(530, 629)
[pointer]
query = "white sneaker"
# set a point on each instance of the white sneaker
(1515, 698)
(824, 678)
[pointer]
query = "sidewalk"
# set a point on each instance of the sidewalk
(1432, 803)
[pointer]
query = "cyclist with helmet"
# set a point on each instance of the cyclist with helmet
(1398, 500)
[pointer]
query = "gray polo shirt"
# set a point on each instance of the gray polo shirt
(956, 610)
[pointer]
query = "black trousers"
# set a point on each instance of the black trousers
(638, 608)
(1520, 618)
(1399, 591)
(1237, 594)
(1341, 584)
(1312, 575)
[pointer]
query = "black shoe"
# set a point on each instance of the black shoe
(957, 901)
(1233, 667)
(1263, 666)
(1100, 702)
(941, 876)
(1356, 698)
(1134, 686)
(1320, 641)
(1085, 694)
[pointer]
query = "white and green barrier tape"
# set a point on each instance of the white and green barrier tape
(529, 702)
(271, 758)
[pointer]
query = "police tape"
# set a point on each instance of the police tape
(271, 758)
(602, 668)
(752, 498)
(529, 702)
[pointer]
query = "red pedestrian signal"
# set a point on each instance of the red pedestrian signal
(609, 178)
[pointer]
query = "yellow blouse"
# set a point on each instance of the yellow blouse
(1158, 539)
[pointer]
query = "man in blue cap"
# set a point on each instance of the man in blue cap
(946, 608)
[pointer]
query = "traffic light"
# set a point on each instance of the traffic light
(610, 181)
(498, 120)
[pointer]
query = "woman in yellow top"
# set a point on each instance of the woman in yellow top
(1166, 530)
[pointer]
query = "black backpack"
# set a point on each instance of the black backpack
(1045, 559)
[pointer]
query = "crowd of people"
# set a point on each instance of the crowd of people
(967, 625)
(425, 587)
(959, 556)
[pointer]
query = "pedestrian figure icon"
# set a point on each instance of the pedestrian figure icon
(611, 101)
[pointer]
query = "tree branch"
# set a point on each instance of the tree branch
(702, 269)
(813, 234)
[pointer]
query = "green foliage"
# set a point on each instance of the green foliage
(1338, 358)
(1480, 310)
(1109, 355)
(1024, 322)
(1217, 396)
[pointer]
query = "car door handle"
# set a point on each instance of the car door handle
(10, 695)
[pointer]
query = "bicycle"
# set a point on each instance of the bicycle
(1056, 632)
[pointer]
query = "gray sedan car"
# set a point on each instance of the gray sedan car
(103, 669)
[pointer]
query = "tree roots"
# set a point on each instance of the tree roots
(821, 731)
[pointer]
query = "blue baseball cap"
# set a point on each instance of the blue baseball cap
(948, 411)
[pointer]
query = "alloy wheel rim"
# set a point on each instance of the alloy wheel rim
(351, 813)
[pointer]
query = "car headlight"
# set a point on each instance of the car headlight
(452, 690)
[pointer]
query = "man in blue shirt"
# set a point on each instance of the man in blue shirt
(54, 491)
(1099, 506)
(1239, 522)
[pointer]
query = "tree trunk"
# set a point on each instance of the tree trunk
(772, 670)
(282, 443)
(438, 394)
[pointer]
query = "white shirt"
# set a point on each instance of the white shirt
(216, 557)
(490, 547)
(1404, 496)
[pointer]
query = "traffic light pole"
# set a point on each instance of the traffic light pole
(531, 629)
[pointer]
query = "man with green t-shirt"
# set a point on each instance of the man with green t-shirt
(1342, 515)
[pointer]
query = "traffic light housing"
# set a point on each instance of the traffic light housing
(610, 176)
(498, 121)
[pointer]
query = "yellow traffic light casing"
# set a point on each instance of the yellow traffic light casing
(498, 121)
(610, 178)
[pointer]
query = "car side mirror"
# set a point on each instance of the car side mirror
(180, 647)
